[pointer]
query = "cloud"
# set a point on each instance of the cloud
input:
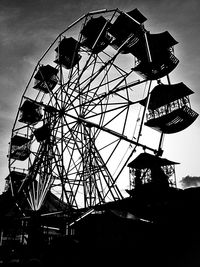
(190, 181)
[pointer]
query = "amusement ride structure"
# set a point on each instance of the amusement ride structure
(77, 128)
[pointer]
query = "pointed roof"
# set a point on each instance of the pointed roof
(147, 161)
(163, 94)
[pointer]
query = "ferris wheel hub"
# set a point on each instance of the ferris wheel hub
(62, 112)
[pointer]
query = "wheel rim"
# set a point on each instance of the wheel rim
(87, 115)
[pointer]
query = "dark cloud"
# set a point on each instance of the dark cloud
(190, 181)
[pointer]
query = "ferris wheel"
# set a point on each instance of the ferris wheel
(74, 131)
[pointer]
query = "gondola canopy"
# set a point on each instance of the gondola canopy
(163, 94)
(155, 55)
(169, 108)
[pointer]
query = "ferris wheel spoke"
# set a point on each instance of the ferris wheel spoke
(102, 95)
(120, 108)
(102, 169)
(113, 91)
(97, 73)
(68, 139)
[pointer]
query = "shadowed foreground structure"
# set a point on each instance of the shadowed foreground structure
(168, 234)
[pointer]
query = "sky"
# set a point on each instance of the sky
(28, 27)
